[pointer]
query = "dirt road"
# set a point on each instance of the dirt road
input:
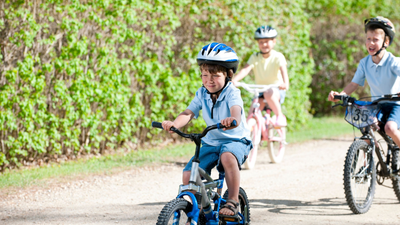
(306, 188)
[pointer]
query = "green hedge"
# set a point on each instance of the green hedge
(81, 77)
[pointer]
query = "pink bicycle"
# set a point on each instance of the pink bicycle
(263, 128)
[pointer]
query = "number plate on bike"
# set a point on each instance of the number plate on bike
(361, 115)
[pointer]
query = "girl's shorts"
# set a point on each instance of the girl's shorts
(210, 155)
(282, 95)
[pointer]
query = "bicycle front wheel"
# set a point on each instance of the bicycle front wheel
(255, 134)
(396, 166)
(359, 177)
(175, 212)
(276, 144)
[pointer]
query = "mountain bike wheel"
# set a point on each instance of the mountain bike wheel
(396, 166)
(243, 205)
(255, 134)
(175, 212)
(276, 144)
(359, 177)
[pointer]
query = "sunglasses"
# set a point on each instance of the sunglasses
(384, 22)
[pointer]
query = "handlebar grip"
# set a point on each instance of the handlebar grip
(156, 125)
(340, 97)
(220, 126)
(234, 123)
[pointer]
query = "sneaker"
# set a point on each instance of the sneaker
(281, 121)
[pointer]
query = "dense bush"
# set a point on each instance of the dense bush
(78, 77)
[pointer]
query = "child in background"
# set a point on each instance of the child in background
(269, 68)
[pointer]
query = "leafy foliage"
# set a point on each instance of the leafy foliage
(79, 77)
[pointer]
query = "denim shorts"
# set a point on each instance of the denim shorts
(210, 155)
(389, 112)
(282, 94)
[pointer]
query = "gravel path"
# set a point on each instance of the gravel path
(306, 188)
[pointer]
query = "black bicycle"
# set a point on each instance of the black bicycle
(360, 172)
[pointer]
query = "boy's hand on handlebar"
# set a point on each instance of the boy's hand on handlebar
(227, 123)
(331, 96)
(167, 126)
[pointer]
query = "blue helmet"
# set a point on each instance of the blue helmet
(218, 54)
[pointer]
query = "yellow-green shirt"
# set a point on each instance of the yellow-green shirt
(267, 71)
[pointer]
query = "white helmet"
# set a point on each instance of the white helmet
(218, 54)
(265, 32)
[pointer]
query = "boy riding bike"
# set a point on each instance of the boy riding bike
(381, 70)
(221, 102)
(269, 68)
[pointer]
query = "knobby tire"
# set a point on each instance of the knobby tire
(396, 181)
(166, 215)
(359, 177)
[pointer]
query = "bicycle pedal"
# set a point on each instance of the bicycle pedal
(230, 219)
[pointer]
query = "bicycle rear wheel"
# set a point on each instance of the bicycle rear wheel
(359, 177)
(175, 212)
(276, 144)
(255, 134)
(243, 205)
(396, 166)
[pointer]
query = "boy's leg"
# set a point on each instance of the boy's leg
(391, 129)
(392, 122)
(232, 176)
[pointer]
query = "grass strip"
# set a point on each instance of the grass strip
(317, 128)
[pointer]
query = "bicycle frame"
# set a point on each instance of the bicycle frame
(368, 134)
(264, 122)
(203, 190)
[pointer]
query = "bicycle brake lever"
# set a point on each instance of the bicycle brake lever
(337, 105)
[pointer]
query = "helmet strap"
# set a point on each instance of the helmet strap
(214, 100)
(383, 47)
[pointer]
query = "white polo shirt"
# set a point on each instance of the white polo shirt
(383, 78)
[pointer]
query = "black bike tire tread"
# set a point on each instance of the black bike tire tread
(347, 180)
(171, 207)
(246, 200)
(396, 182)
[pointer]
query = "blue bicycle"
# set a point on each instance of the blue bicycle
(199, 202)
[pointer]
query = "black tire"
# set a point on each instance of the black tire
(243, 204)
(359, 177)
(395, 166)
(167, 213)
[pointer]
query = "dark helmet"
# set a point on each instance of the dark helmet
(265, 32)
(383, 23)
(218, 54)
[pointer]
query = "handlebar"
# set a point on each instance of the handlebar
(206, 130)
(347, 100)
(256, 88)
